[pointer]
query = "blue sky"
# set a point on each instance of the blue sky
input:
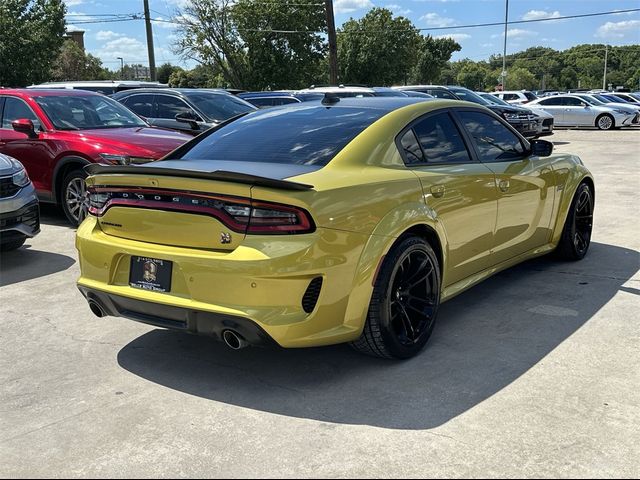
(127, 39)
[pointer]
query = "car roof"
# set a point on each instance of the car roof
(336, 89)
(98, 83)
(269, 93)
(171, 91)
(383, 104)
(51, 92)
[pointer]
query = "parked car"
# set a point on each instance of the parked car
(411, 93)
(19, 210)
(189, 110)
(106, 87)
(433, 90)
(629, 97)
(613, 102)
(516, 97)
(55, 133)
(278, 98)
(341, 91)
(573, 111)
(545, 120)
(339, 221)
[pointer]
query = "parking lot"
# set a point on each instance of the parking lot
(535, 372)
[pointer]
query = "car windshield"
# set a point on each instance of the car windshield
(530, 96)
(493, 99)
(469, 96)
(601, 99)
(310, 135)
(590, 101)
(87, 112)
(220, 107)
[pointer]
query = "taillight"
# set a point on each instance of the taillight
(239, 214)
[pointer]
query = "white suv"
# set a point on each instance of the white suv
(516, 97)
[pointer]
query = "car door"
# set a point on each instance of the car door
(140, 103)
(524, 184)
(35, 154)
(577, 112)
(554, 106)
(165, 109)
(458, 188)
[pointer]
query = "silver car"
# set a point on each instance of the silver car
(19, 210)
(573, 111)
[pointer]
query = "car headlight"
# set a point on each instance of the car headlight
(21, 179)
(124, 159)
(510, 116)
(623, 112)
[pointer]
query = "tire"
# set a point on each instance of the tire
(74, 200)
(402, 314)
(12, 245)
(576, 234)
(605, 122)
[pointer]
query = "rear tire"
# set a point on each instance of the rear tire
(405, 302)
(605, 122)
(74, 199)
(576, 234)
(12, 245)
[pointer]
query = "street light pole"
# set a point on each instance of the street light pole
(606, 59)
(121, 68)
(333, 44)
(504, 53)
(152, 57)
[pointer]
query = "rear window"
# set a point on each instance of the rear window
(530, 96)
(310, 135)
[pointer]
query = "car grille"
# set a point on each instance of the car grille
(311, 295)
(547, 122)
(7, 187)
(29, 215)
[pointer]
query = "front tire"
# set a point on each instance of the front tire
(404, 304)
(605, 122)
(12, 245)
(576, 234)
(75, 200)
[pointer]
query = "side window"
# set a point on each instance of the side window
(441, 94)
(510, 96)
(572, 102)
(140, 104)
(284, 100)
(553, 101)
(495, 142)
(15, 109)
(169, 107)
(441, 140)
(412, 151)
(261, 102)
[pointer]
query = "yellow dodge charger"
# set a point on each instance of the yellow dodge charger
(346, 220)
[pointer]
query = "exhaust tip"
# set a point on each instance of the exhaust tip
(96, 309)
(234, 340)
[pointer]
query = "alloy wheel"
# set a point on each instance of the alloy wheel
(413, 297)
(77, 199)
(605, 122)
(583, 221)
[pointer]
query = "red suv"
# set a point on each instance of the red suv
(55, 133)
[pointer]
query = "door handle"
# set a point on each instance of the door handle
(437, 191)
(503, 185)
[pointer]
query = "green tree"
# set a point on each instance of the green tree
(473, 75)
(521, 79)
(74, 64)
(30, 38)
(377, 49)
(432, 57)
(164, 71)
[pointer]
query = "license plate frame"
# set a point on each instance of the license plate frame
(152, 274)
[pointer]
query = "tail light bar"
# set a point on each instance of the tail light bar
(239, 214)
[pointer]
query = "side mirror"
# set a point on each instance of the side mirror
(541, 148)
(24, 125)
(188, 117)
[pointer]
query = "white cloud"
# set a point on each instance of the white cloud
(620, 29)
(105, 35)
(458, 37)
(486, 45)
(129, 48)
(435, 20)
(515, 33)
(74, 16)
(348, 6)
(397, 9)
(75, 28)
(162, 22)
(540, 14)
(73, 3)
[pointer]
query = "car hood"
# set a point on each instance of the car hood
(622, 106)
(500, 109)
(8, 165)
(140, 141)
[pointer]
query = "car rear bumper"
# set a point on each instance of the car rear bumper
(270, 283)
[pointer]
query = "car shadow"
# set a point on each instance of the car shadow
(53, 215)
(486, 339)
(27, 263)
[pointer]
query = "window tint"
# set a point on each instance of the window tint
(168, 107)
(530, 96)
(572, 102)
(261, 102)
(15, 109)
(219, 106)
(441, 94)
(140, 104)
(412, 151)
(511, 96)
(310, 135)
(284, 100)
(553, 101)
(495, 142)
(441, 140)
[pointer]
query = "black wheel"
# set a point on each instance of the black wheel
(12, 245)
(75, 199)
(405, 301)
(576, 234)
(605, 122)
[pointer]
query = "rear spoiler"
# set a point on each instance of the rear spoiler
(222, 175)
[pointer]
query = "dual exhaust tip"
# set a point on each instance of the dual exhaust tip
(231, 339)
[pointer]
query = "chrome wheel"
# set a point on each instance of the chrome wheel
(76, 200)
(583, 222)
(605, 122)
(413, 297)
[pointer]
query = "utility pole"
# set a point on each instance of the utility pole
(333, 44)
(121, 68)
(606, 59)
(504, 53)
(152, 57)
